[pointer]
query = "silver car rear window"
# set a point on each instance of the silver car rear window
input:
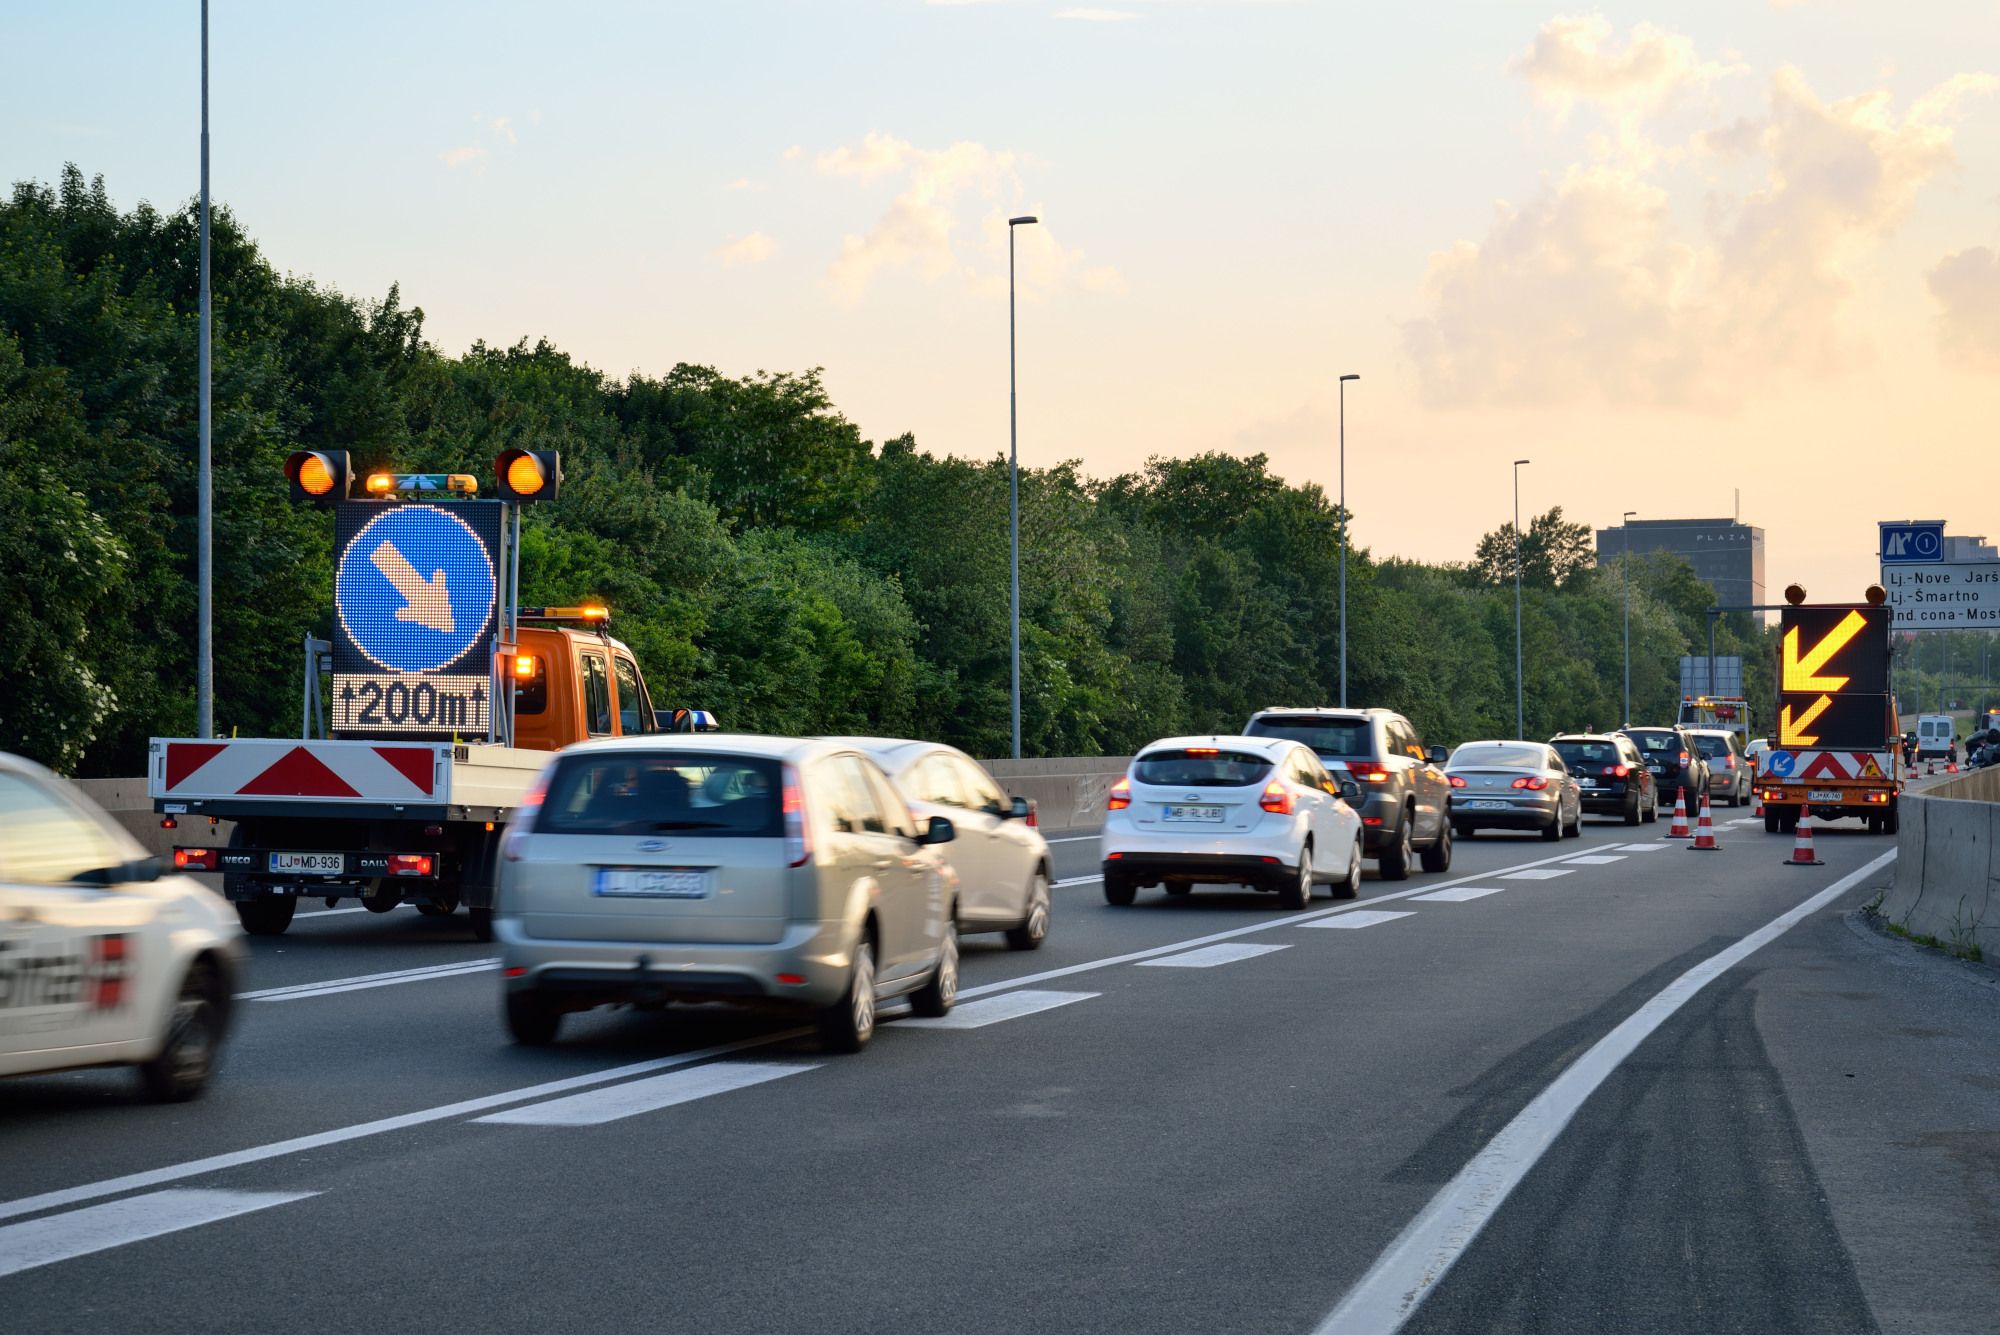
(1200, 767)
(692, 793)
(1492, 753)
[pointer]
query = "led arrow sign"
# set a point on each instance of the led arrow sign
(1833, 677)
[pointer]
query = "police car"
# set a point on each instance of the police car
(103, 960)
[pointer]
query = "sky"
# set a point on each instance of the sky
(1668, 253)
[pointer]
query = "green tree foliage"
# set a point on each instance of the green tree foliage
(761, 557)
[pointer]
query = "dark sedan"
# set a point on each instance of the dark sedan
(1611, 774)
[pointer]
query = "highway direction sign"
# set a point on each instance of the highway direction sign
(1919, 540)
(1944, 595)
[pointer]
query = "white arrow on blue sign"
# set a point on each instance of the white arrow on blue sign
(415, 589)
(1912, 542)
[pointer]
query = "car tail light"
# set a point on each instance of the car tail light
(1371, 820)
(195, 859)
(1204, 751)
(1535, 783)
(410, 864)
(522, 823)
(798, 827)
(1121, 794)
(1729, 762)
(514, 971)
(1277, 798)
(1369, 771)
(1617, 771)
(1684, 757)
(1458, 781)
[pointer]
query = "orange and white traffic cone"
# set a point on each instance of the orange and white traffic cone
(1952, 768)
(1758, 814)
(1932, 771)
(1704, 832)
(1679, 829)
(1802, 849)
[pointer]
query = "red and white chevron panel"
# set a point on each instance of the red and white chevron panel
(1805, 766)
(270, 767)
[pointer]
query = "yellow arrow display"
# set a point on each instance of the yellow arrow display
(1792, 732)
(1802, 673)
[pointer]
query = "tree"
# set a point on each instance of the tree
(1553, 552)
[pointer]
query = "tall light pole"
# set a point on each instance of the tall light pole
(1343, 537)
(1014, 484)
(1626, 553)
(204, 654)
(1520, 723)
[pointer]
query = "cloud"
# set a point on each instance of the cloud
(496, 130)
(924, 227)
(502, 125)
(741, 183)
(1967, 288)
(1097, 15)
(1597, 289)
(752, 249)
(466, 155)
(1575, 60)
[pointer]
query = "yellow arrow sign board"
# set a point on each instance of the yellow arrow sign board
(1834, 651)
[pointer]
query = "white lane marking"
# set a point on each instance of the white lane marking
(1458, 896)
(1535, 874)
(1639, 848)
(362, 982)
(215, 1163)
(1595, 860)
(1009, 1006)
(650, 1095)
(1746, 820)
(1073, 839)
(1078, 880)
(1404, 1275)
(99, 1228)
(328, 913)
(1366, 918)
(1209, 956)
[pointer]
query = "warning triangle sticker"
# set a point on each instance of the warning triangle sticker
(1871, 770)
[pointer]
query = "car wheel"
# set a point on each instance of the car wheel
(935, 997)
(532, 1019)
(848, 1024)
(1554, 829)
(1637, 812)
(194, 1036)
(1438, 856)
(1892, 820)
(1118, 891)
(1178, 888)
(1394, 865)
(1653, 809)
(1298, 892)
(1575, 828)
(482, 923)
(382, 897)
(1035, 928)
(1350, 886)
(269, 916)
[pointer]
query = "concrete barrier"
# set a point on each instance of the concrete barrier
(125, 801)
(1947, 881)
(1068, 792)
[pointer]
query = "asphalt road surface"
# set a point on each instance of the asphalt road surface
(1602, 1085)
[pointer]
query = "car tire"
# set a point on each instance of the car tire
(1438, 856)
(1554, 829)
(532, 1018)
(1574, 830)
(848, 1024)
(1297, 892)
(1465, 831)
(1653, 809)
(482, 923)
(1892, 819)
(382, 897)
(1770, 821)
(1178, 888)
(1119, 892)
(1034, 929)
(934, 999)
(1349, 887)
(1638, 811)
(193, 1040)
(1394, 864)
(269, 916)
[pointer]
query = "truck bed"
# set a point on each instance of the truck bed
(283, 776)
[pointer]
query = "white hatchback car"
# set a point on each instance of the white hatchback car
(1255, 811)
(104, 961)
(999, 857)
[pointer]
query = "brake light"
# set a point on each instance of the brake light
(1203, 751)
(1369, 771)
(1617, 771)
(1277, 798)
(798, 827)
(1458, 781)
(195, 859)
(1729, 762)
(1535, 783)
(522, 823)
(1121, 794)
(409, 864)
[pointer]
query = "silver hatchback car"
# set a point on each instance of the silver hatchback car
(763, 870)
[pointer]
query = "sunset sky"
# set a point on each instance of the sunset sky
(1666, 252)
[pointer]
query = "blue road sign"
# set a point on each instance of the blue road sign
(1909, 543)
(1783, 763)
(415, 590)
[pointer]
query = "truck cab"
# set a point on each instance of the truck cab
(573, 683)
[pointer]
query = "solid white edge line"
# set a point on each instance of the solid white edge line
(99, 1228)
(1405, 1274)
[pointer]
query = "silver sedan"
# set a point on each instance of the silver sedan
(1512, 785)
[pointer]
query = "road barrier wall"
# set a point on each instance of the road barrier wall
(1947, 878)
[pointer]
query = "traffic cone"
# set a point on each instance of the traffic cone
(1802, 849)
(1932, 771)
(1704, 832)
(1679, 829)
(1952, 768)
(1758, 814)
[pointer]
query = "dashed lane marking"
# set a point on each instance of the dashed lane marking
(1459, 895)
(1209, 956)
(1363, 918)
(1595, 860)
(98, 1228)
(1535, 874)
(1006, 1006)
(1638, 848)
(1078, 880)
(649, 1095)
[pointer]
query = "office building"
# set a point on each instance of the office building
(1728, 555)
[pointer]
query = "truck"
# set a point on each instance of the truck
(1837, 745)
(1727, 713)
(396, 797)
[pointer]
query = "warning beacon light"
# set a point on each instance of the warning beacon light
(318, 477)
(528, 475)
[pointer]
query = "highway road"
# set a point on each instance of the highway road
(1606, 1085)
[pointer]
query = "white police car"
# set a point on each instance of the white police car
(104, 961)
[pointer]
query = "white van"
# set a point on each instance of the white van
(1934, 737)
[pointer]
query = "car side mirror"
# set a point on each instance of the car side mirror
(662, 721)
(939, 831)
(123, 873)
(1021, 809)
(1350, 791)
(1435, 755)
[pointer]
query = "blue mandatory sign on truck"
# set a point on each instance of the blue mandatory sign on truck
(415, 589)
(1907, 544)
(1782, 764)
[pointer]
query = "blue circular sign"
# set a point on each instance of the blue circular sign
(415, 589)
(1783, 763)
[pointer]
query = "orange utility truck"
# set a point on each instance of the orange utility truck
(1837, 742)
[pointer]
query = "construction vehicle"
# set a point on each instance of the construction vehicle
(1837, 746)
(447, 699)
(1725, 713)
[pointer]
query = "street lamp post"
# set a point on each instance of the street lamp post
(1014, 487)
(1343, 537)
(1520, 724)
(1626, 552)
(204, 653)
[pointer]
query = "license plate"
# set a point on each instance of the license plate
(1486, 805)
(651, 883)
(1821, 795)
(1586, 783)
(1652, 769)
(324, 864)
(1198, 814)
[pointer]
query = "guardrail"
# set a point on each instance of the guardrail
(1947, 882)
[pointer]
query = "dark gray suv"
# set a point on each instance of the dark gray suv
(1406, 807)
